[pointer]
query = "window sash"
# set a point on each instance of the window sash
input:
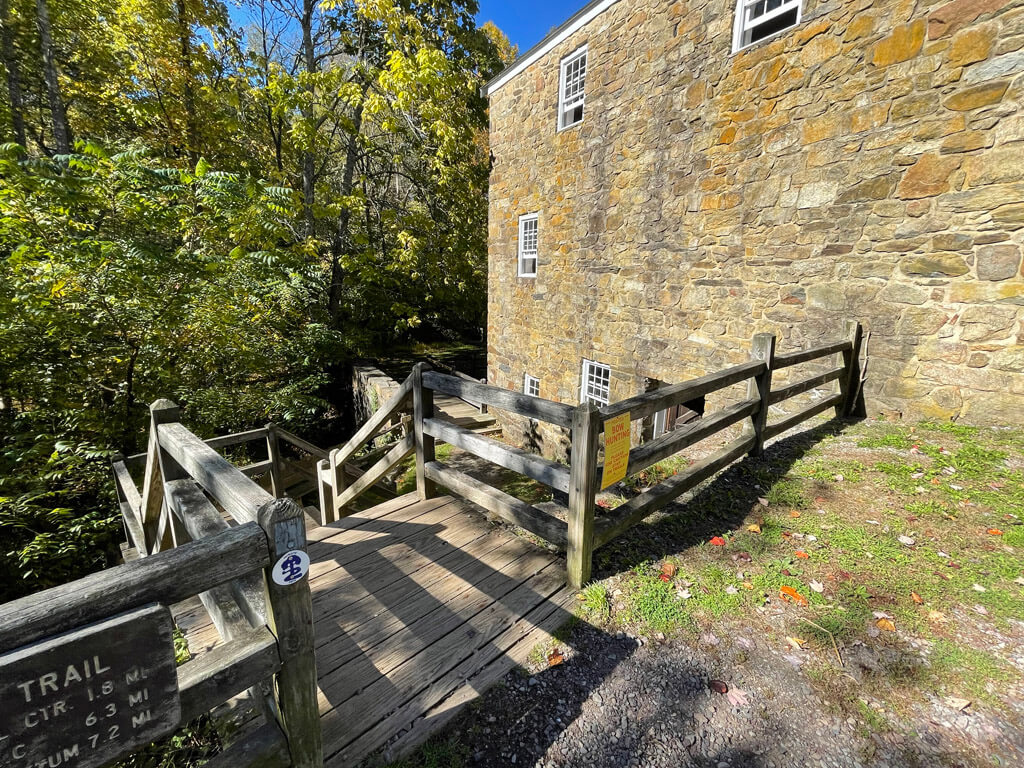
(746, 23)
(531, 385)
(595, 384)
(572, 87)
(529, 235)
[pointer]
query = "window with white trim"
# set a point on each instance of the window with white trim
(528, 245)
(531, 385)
(596, 383)
(758, 19)
(571, 86)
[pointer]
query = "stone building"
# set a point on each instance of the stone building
(670, 178)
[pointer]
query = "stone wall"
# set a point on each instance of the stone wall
(371, 388)
(868, 164)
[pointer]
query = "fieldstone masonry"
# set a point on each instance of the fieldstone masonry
(867, 164)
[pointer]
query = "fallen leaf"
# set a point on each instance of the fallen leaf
(790, 594)
(951, 564)
(886, 624)
(819, 499)
(800, 553)
(872, 522)
(935, 481)
(936, 616)
(958, 704)
(718, 686)
(737, 698)
(811, 537)
(555, 658)
(905, 540)
(817, 586)
(755, 528)
(917, 475)
(916, 598)
(979, 588)
(762, 501)
(718, 541)
(665, 577)
(794, 513)
(668, 569)
(838, 478)
(797, 642)
(980, 609)
(747, 585)
(994, 532)
(744, 556)
(731, 590)
(685, 594)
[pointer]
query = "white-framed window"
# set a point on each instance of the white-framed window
(528, 245)
(758, 19)
(596, 383)
(571, 86)
(531, 385)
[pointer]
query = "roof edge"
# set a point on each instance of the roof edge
(583, 16)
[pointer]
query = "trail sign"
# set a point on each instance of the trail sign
(89, 696)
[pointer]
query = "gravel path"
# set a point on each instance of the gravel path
(623, 702)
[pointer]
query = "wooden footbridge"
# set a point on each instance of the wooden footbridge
(352, 627)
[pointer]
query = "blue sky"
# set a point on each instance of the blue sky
(527, 21)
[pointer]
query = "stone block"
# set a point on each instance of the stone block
(904, 43)
(878, 188)
(986, 323)
(997, 166)
(934, 265)
(830, 296)
(902, 293)
(1007, 65)
(997, 262)
(976, 96)
(920, 321)
(816, 193)
(971, 45)
(954, 16)
(927, 177)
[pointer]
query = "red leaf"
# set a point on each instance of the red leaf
(718, 686)
(994, 532)
(801, 553)
(718, 541)
(788, 593)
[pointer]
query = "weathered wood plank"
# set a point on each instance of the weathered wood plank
(850, 384)
(422, 409)
(257, 468)
(778, 395)
(679, 439)
(301, 444)
(505, 399)
(266, 748)
(375, 473)
(583, 487)
(161, 412)
(212, 678)
(543, 470)
(788, 423)
(127, 490)
(402, 398)
(508, 508)
(805, 355)
(168, 577)
(238, 495)
(226, 441)
(624, 517)
(659, 399)
(760, 387)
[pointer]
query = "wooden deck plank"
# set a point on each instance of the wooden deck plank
(418, 606)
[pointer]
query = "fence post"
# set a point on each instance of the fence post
(852, 403)
(582, 493)
(290, 618)
(274, 456)
(160, 412)
(422, 408)
(763, 348)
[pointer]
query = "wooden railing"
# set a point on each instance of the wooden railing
(581, 527)
(202, 527)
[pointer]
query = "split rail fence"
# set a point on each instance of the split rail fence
(586, 526)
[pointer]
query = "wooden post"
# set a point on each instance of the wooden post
(335, 486)
(422, 408)
(290, 618)
(160, 412)
(483, 406)
(582, 493)
(328, 514)
(274, 456)
(852, 403)
(759, 387)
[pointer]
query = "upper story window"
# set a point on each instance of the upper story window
(528, 245)
(570, 89)
(596, 384)
(758, 19)
(531, 385)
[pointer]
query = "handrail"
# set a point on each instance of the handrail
(453, 371)
(298, 442)
(503, 399)
(805, 355)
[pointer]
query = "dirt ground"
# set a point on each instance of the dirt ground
(853, 598)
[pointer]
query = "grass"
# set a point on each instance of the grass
(447, 752)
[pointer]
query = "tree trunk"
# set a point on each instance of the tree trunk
(13, 73)
(308, 161)
(342, 239)
(185, 38)
(58, 114)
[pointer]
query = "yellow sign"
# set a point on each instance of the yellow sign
(616, 449)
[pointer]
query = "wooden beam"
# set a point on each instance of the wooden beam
(402, 449)
(682, 438)
(760, 387)
(257, 468)
(168, 577)
(503, 399)
(543, 470)
(806, 355)
(624, 517)
(290, 617)
(772, 430)
(226, 441)
(850, 384)
(160, 412)
(302, 445)
(264, 748)
(400, 399)
(422, 409)
(778, 395)
(508, 508)
(238, 495)
(211, 678)
(659, 399)
(583, 487)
